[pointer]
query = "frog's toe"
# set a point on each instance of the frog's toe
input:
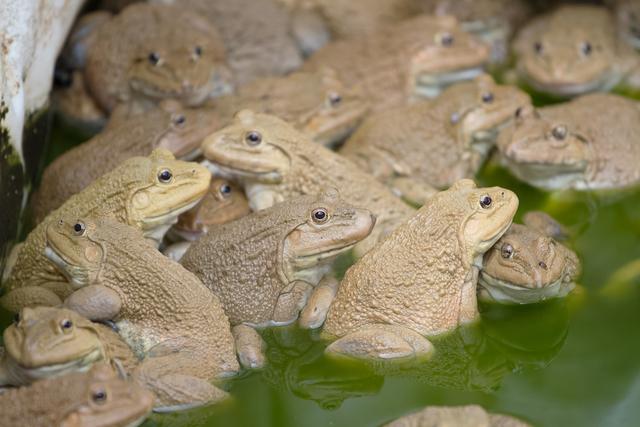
(250, 347)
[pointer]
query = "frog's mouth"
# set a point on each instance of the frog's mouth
(567, 89)
(431, 84)
(77, 276)
(79, 364)
(547, 176)
(508, 293)
(235, 172)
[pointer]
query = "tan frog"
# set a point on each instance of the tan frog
(435, 143)
(45, 342)
(417, 57)
(274, 162)
(459, 416)
(588, 143)
(421, 280)
(574, 50)
(527, 265)
(166, 315)
(179, 130)
(146, 192)
(98, 398)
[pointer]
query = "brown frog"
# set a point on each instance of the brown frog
(421, 280)
(98, 398)
(146, 192)
(274, 162)
(417, 57)
(435, 142)
(165, 314)
(588, 143)
(178, 129)
(459, 416)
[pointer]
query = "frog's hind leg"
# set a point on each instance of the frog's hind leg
(386, 342)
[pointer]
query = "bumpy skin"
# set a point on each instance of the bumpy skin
(459, 416)
(255, 34)
(589, 143)
(165, 314)
(422, 278)
(286, 164)
(133, 194)
(436, 142)
(257, 263)
(404, 60)
(179, 130)
(77, 399)
(573, 50)
(43, 344)
(189, 65)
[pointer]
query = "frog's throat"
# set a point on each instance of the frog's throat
(79, 364)
(151, 225)
(431, 84)
(77, 276)
(508, 293)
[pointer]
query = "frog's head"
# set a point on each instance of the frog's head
(544, 152)
(488, 213)
(252, 147)
(106, 399)
(446, 55)
(331, 226)
(224, 202)
(526, 266)
(185, 129)
(46, 341)
(331, 111)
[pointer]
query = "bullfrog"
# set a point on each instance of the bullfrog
(527, 265)
(588, 143)
(435, 142)
(148, 193)
(274, 162)
(164, 312)
(178, 129)
(417, 57)
(265, 266)
(421, 280)
(459, 416)
(45, 342)
(97, 398)
(574, 50)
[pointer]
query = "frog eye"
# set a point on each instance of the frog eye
(99, 396)
(506, 251)
(559, 132)
(319, 216)
(485, 201)
(445, 39)
(334, 99)
(253, 138)
(225, 190)
(165, 176)
(154, 58)
(79, 228)
(585, 48)
(487, 97)
(66, 325)
(542, 265)
(179, 120)
(198, 51)
(537, 47)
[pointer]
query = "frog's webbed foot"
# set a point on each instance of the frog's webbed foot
(29, 296)
(292, 299)
(314, 313)
(250, 347)
(95, 302)
(412, 191)
(386, 342)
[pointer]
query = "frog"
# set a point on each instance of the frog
(427, 146)
(528, 265)
(572, 51)
(421, 280)
(461, 416)
(74, 106)
(274, 162)
(627, 13)
(47, 342)
(170, 126)
(162, 311)
(416, 58)
(97, 398)
(267, 265)
(148, 193)
(587, 143)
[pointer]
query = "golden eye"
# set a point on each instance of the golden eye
(225, 190)
(66, 325)
(154, 58)
(334, 99)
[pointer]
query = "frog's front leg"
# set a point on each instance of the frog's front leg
(413, 191)
(469, 299)
(378, 341)
(262, 196)
(45, 294)
(315, 311)
(292, 299)
(250, 347)
(95, 302)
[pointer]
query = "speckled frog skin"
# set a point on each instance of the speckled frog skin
(589, 143)
(459, 416)
(274, 162)
(98, 398)
(146, 192)
(421, 280)
(46, 342)
(420, 56)
(165, 314)
(436, 142)
(265, 265)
